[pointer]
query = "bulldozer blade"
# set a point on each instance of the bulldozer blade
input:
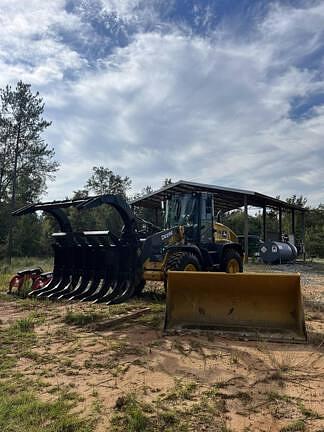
(251, 306)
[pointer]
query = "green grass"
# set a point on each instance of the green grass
(22, 411)
(82, 318)
(296, 426)
(182, 391)
(307, 412)
(131, 417)
(25, 325)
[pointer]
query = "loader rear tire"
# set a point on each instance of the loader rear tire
(181, 261)
(231, 262)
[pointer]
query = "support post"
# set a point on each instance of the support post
(293, 224)
(264, 223)
(280, 224)
(303, 234)
(246, 231)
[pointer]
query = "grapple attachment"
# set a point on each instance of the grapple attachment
(92, 266)
(247, 305)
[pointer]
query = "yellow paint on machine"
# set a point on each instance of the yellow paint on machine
(248, 305)
(153, 275)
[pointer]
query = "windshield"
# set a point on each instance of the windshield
(180, 210)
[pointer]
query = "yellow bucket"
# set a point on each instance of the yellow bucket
(247, 305)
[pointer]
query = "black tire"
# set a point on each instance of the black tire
(229, 256)
(179, 261)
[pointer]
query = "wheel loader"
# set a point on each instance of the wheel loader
(199, 260)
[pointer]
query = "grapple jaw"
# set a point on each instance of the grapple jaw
(95, 266)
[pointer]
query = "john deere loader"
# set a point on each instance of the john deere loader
(199, 260)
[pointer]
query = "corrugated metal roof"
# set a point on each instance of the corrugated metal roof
(224, 198)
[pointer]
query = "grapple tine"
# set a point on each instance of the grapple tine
(62, 281)
(64, 255)
(95, 284)
(101, 291)
(105, 268)
(83, 269)
(67, 289)
(54, 281)
(75, 265)
(57, 271)
(127, 291)
(112, 292)
(97, 264)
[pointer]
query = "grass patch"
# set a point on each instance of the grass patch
(307, 412)
(14, 341)
(182, 391)
(82, 318)
(131, 417)
(24, 325)
(296, 426)
(21, 411)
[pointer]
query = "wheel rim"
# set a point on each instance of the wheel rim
(190, 267)
(233, 266)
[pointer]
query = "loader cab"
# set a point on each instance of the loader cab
(193, 211)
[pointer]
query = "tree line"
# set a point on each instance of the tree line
(27, 163)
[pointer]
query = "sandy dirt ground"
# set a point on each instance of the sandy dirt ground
(189, 381)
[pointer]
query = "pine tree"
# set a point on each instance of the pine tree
(26, 161)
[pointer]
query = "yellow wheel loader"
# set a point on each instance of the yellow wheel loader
(199, 260)
(191, 240)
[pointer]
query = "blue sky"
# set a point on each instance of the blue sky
(227, 92)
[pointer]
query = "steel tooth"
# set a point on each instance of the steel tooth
(80, 287)
(91, 290)
(111, 293)
(67, 289)
(99, 290)
(92, 296)
(125, 295)
(102, 291)
(55, 282)
(56, 294)
(48, 286)
(116, 293)
(122, 288)
(63, 282)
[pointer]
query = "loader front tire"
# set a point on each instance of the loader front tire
(181, 261)
(231, 262)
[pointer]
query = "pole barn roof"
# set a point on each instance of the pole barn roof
(224, 198)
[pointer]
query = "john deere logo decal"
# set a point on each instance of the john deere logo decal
(166, 235)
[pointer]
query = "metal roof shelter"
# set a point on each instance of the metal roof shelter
(226, 199)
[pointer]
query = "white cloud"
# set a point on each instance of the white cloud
(215, 110)
(30, 46)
